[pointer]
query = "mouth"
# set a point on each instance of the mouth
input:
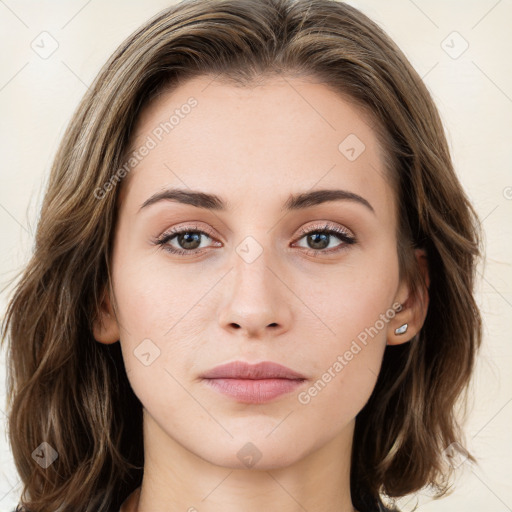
(253, 384)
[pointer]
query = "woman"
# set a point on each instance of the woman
(252, 286)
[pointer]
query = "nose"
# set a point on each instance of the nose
(258, 302)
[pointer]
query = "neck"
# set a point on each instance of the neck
(175, 478)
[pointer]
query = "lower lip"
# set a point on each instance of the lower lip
(254, 391)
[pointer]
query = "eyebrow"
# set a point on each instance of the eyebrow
(294, 202)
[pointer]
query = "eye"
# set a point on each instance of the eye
(319, 238)
(188, 239)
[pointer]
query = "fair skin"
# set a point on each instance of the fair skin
(254, 147)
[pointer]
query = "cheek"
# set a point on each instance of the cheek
(346, 366)
(152, 298)
(336, 397)
(352, 301)
(158, 340)
(162, 324)
(355, 309)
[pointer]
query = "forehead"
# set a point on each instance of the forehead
(256, 144)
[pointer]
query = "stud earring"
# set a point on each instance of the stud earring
(401, 329)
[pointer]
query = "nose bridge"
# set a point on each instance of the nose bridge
(251, 271)
(251, 264)
(256, 297)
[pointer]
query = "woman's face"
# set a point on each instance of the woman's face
(253, 286)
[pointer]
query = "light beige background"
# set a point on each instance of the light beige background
(473, 91)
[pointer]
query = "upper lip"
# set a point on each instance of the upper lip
(243, 370)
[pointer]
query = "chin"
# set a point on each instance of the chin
(253, 452)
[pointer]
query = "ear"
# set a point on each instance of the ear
(105, 327)
(414, 305)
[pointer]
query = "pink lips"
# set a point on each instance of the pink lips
(256, 383)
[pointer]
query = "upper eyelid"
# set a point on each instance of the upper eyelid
(325, 225)
(189, 227)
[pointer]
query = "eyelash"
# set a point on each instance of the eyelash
(328, 229)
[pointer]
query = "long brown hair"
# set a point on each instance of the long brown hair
(71, 392)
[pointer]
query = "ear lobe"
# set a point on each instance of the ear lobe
(414, 307)
(105, 328)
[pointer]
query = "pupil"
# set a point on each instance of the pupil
(319, 244)
(185, 239)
